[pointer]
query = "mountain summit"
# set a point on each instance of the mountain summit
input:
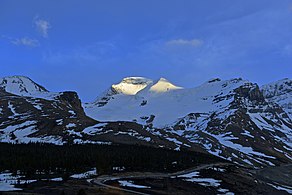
(21, 85)
(162, 85)
(134, 85)
(131, 85)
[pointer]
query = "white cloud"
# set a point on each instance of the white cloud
(26, 42)
(42, 26)
(185, 42)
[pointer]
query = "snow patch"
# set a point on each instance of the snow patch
(84, 175)
(126, 183)
(96, 129)
(8, 180)
(195, 178)
(70, 125)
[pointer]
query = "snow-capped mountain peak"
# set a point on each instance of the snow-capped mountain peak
(20, 85)
(134, 85)
(131, 85)
(163, 85)
(175, 101)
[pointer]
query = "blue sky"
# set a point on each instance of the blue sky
(87, 45)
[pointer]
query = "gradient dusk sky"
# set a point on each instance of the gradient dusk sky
(87, 45)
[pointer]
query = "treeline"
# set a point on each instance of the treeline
(34, 158)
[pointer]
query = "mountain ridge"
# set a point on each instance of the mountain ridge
(233, 119)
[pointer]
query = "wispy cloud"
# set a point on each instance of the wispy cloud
(42, 26)
(26, 42)
(185, 42)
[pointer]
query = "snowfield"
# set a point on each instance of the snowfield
(162, 99)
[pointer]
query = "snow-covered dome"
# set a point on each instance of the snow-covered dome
(131, 85)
